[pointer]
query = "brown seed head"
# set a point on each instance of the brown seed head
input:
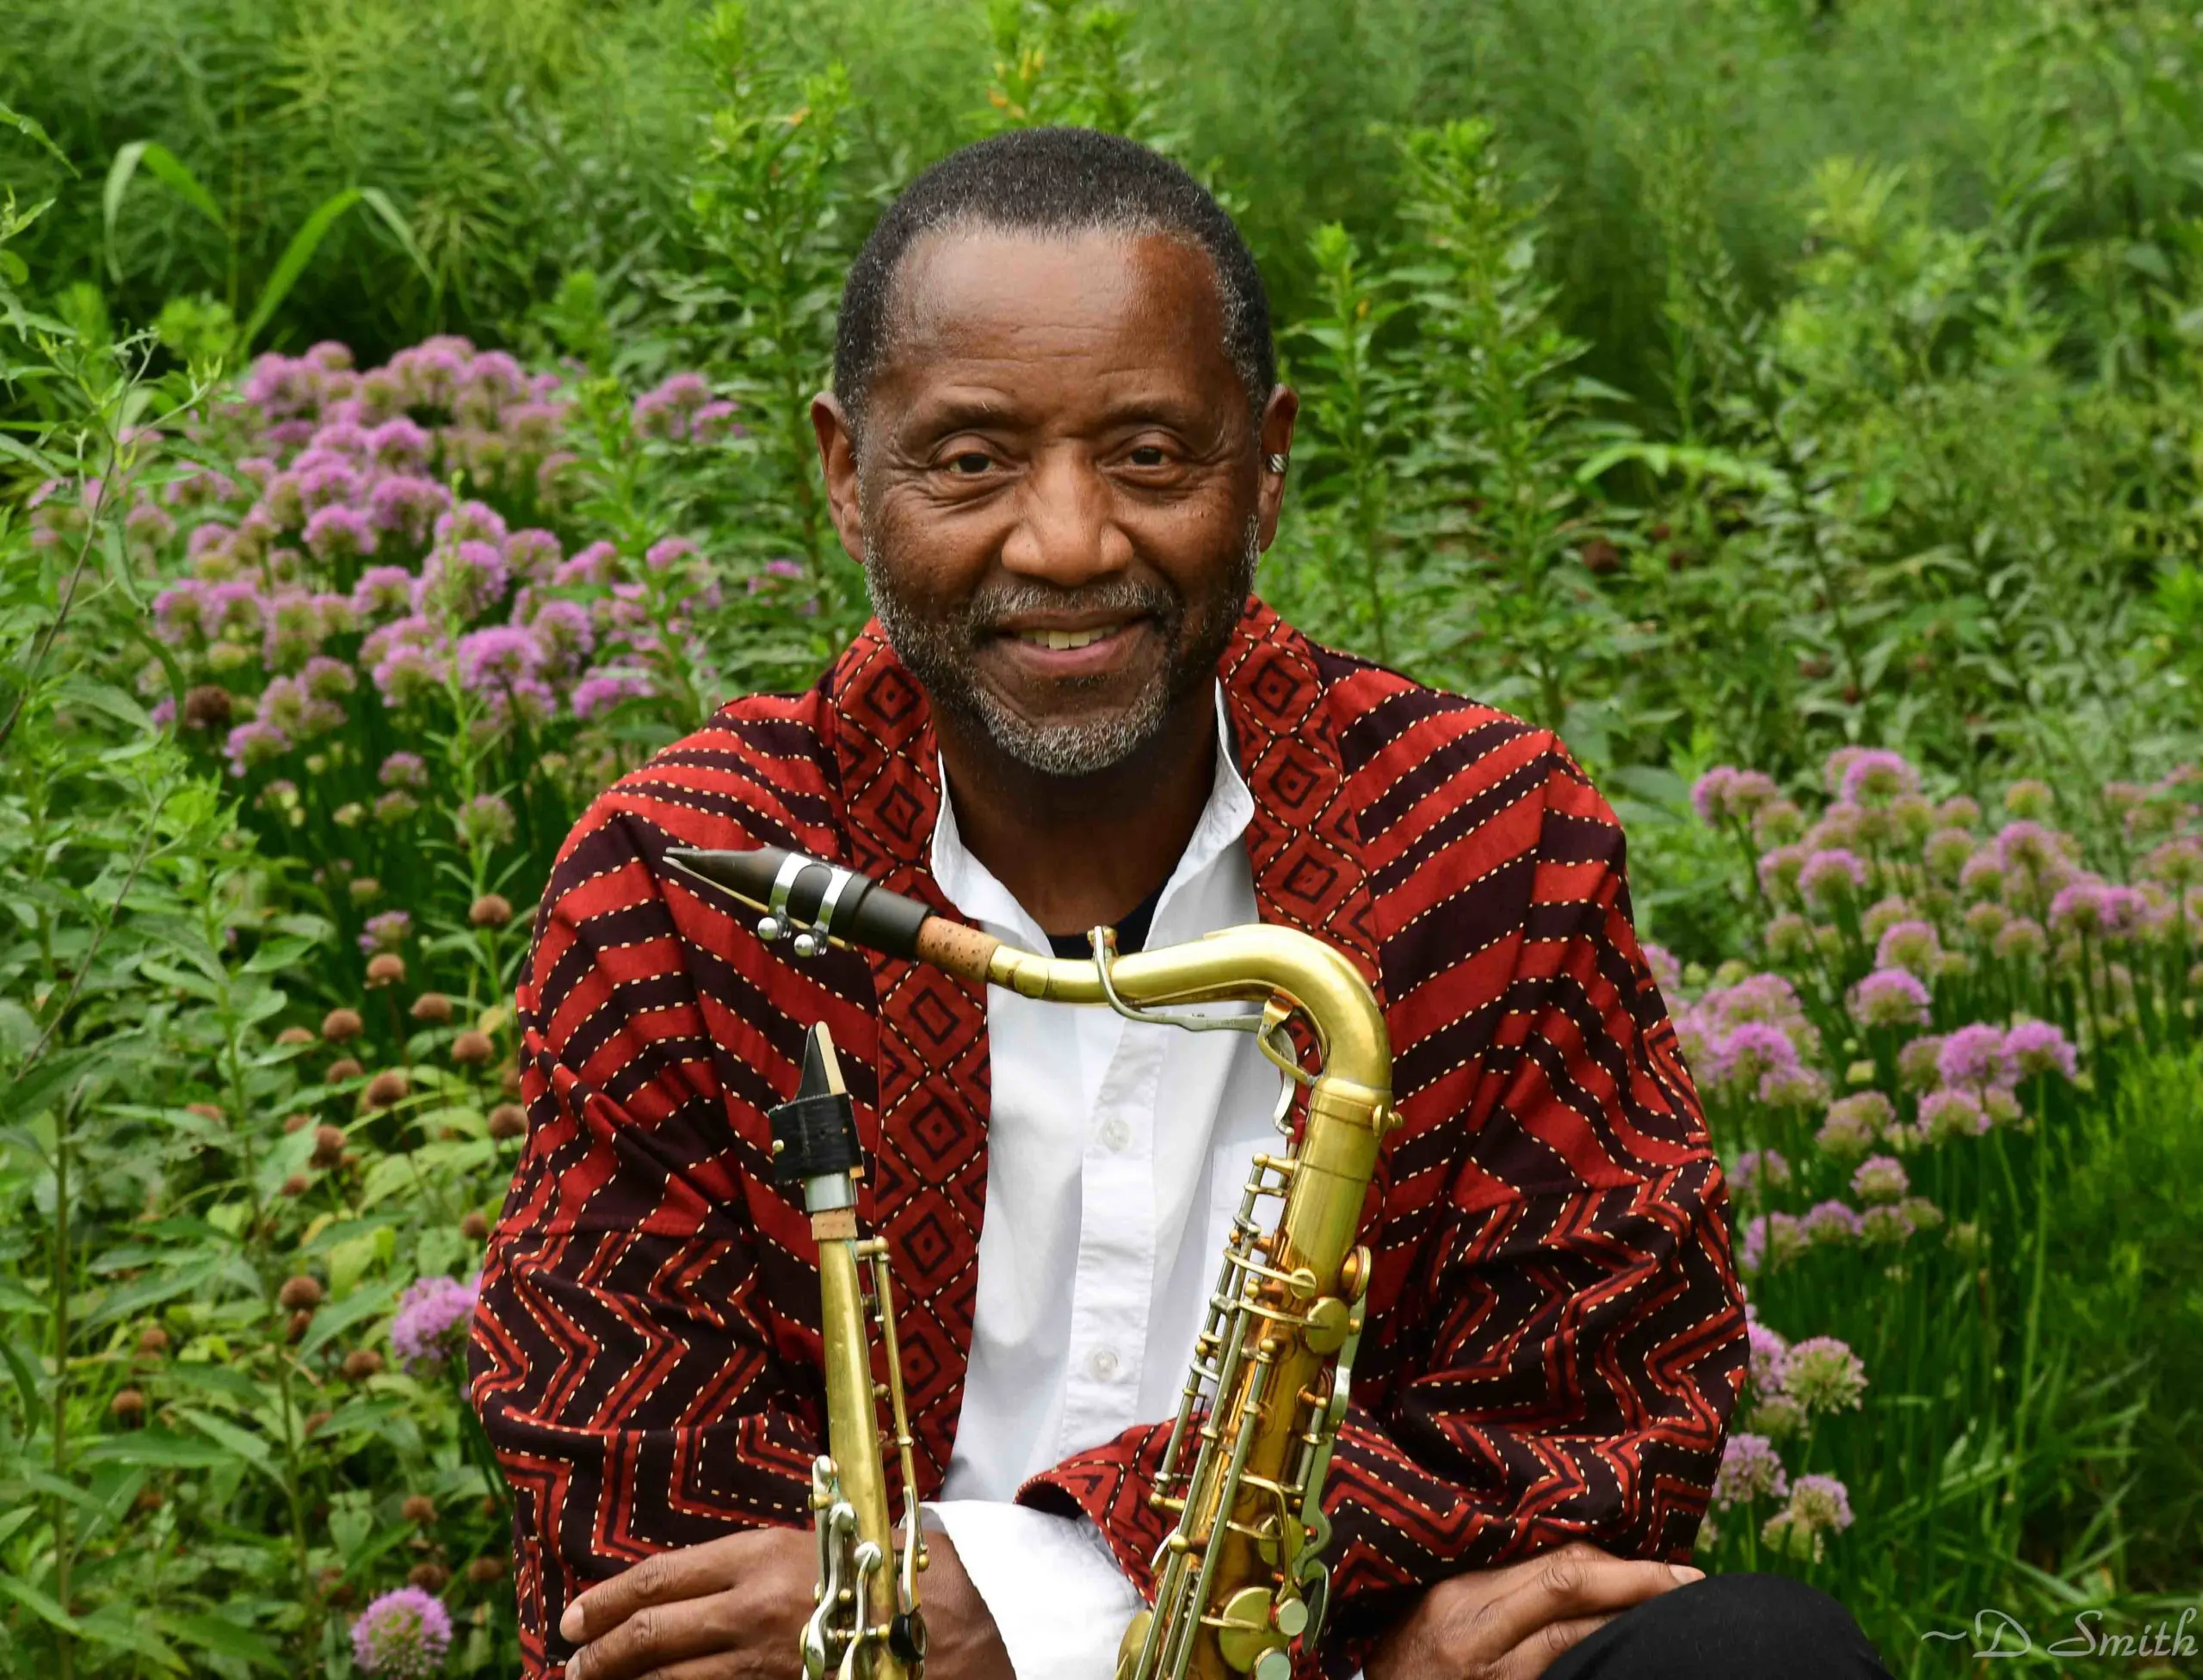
(387, 1087)
(204, 1110)
(491, 910)
(328, 1144)
(346, 1161)
(472, 1049)
(342, 1026)
(1601, 557)
(315, 1420)
(431, 1008)
(206, 706)
(509, 1080)
(152, 1341)
(386, 968)
(341, 1594)
(149, 1498)
(419, 1508)
(301, 1321)
(484, 1570)
(361, 1363)
(508, 1121)
(128, 1406)
(343, 1068)
(428, 1577)
(473, 1227)
(295, 1036)
(296, 1123)
(297, 1184)
(300, 1291)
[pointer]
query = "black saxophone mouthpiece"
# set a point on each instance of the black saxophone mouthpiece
(815, 1131)
(810, 900)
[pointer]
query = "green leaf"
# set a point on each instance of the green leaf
(226, 1639)
(241, 1442)
(27, 1379)
(139, 1293)
(293, 262)
(11, 118)
(119, 1624)
(331, 1321)
(166, 167)
(379, 201)
(40, 1604)
(157, 1448)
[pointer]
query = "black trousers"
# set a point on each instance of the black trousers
(1728, 1628)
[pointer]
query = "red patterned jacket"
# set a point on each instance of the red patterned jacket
(1556, 1335)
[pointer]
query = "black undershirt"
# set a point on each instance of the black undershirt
(1131, 932)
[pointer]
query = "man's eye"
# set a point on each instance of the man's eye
(1150, 454)
(968, 463)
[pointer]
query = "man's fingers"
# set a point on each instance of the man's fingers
(653, 1640)
(1529, 1659)
(1562, 1587)
(694, 1571)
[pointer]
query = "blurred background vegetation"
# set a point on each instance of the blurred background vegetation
(1726, 382)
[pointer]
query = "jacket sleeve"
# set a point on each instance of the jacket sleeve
(1557, 1334)
(638, 1392)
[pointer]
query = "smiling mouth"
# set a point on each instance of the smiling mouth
(1062, 641)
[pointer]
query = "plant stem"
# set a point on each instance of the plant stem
(64, 1131)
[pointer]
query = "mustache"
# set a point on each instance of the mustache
(993, 605)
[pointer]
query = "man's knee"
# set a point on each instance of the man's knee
(1728, 1628)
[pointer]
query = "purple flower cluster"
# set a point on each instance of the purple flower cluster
(431, 1322)
(402, 1635)
(1889, 998)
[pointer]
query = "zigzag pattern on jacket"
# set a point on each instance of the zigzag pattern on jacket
(1556, 1337)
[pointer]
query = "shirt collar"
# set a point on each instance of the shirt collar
(972, 888)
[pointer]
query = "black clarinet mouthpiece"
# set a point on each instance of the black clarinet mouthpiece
(810, 900)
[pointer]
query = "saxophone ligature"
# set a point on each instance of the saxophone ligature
(868, 1625)
(1240, 1582)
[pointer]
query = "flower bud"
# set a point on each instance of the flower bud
(508, 1121)
(484, 1570)
(128, 1406)
(328, 1145)
(384, 968)
(206, 706)
(419, 1509)
(296, 1123)
(428, 1577)
(473, 1227)
(491, 910)
(431, 1008)
(153, 1342)
(343, 1068)
(295, 1036)
(364, 890)
(361, 1363)
(472, 1049)
(297, 1184)
(385, 1087)
(342, 1026)
(301, 1291)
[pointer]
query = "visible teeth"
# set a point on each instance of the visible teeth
(1061, 640)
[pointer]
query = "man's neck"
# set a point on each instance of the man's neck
(1079, 852)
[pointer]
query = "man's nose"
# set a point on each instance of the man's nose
(1066, 533)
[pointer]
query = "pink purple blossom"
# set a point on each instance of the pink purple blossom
(431, 1322)
(1880, 1178)
(1889, 998)
(1750, 1469)
(1830, 875)
(1876, 776)
(252, 745)
(1975, 1056)
(403, 1636)
(2033, 1048)
(385, 931)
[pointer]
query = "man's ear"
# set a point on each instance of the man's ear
(1276, 441)
(837, 459)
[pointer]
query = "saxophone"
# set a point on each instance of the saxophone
(868, 1625)
(1240, 1581)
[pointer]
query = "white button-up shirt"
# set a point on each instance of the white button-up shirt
(1116, 1155)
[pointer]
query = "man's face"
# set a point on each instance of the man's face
(1058, 497)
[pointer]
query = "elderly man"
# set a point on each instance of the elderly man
(1056, 443)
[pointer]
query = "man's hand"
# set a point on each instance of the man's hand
(733, 1609)
(1508, 1624)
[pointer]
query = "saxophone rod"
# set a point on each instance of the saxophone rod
(827, 904)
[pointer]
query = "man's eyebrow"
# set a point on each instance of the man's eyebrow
(973, 412)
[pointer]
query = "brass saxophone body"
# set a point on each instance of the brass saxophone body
(1240, 1580)
(866, 1625)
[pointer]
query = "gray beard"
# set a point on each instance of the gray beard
(939, 653)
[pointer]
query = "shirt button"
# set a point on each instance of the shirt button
(1102, 1362)
(1116, 1135)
